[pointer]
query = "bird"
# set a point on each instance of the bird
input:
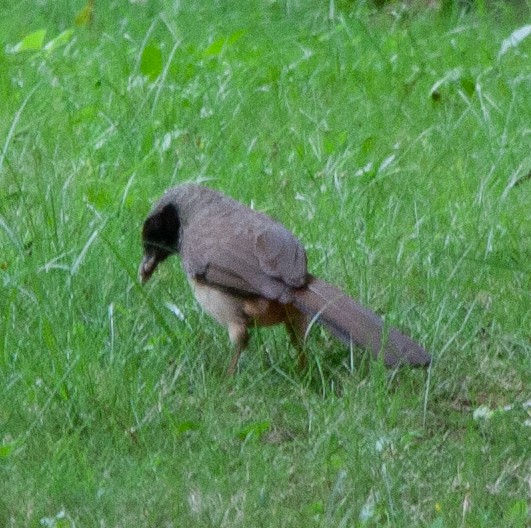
(246, 269)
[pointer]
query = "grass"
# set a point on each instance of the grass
(393, 142)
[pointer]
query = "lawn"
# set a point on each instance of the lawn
(394, 142)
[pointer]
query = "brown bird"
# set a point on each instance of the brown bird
(246, 269)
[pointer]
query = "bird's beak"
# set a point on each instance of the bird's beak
(147, 267)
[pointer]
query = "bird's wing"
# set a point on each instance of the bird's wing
(245, 252)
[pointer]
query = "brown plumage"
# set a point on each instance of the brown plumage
(246, 269)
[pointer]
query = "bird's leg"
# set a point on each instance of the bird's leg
(239, 338)
(296, 324)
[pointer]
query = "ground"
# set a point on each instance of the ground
(394, 143)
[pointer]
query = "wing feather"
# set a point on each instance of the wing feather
(245, 251)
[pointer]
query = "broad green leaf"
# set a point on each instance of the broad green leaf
(60, 40)
(86, 113)
(64, 392)
(31, 42)
(517, 514)
(151, 62)
(254, 429)
(6, 449)
(336, 462)
(217, 46)
(334, 141)
(367, 145)
(316, 507)
(468, 85)
(184, 427)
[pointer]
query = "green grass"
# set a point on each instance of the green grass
(113, 412)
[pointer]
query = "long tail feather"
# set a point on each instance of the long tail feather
(354, 324)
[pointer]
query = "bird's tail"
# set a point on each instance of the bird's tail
(355, 325)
